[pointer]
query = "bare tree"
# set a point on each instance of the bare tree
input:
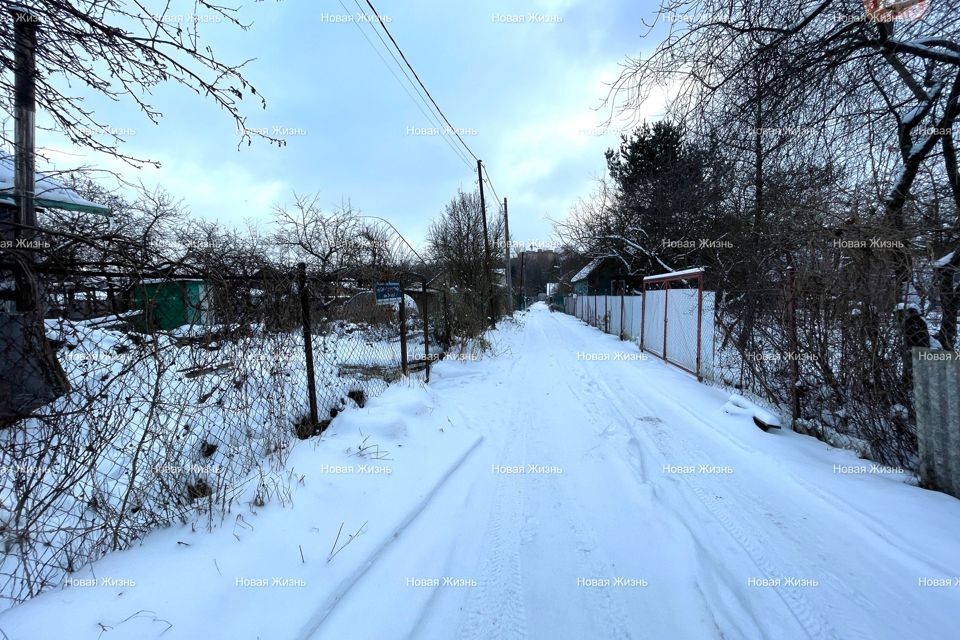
(327, 241)
(124, 50)
(834, 132)
(855, 85)
(455, 241)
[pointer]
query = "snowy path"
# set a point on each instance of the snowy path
(643, 510)
(767, 541)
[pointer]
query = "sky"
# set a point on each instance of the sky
(526, 93)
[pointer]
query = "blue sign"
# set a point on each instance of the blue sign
(388, 292)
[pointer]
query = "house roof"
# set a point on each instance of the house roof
(587, 270)
(49, 193)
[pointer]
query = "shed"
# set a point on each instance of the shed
(171, 303)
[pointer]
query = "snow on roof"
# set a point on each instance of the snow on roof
(676, 274)
(945, 260)
(587, 270)
(49, 192)
(165, 280)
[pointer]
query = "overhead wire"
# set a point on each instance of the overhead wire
(490, 183)
(419, 81)
(427, 114)
(421, 91)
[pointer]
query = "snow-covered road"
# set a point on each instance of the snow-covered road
(614, 498)
(559, 488)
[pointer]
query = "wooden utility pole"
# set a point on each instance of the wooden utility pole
(24, 111)
(486, 249)
(509, 275)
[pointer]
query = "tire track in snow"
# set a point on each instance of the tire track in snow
(312, 626)
(813, 623)
(897, 547)
(496, 607)
(807, 616)
(681, 449)
(606, 606)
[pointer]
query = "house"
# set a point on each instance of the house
(601, 276)
(49, 194)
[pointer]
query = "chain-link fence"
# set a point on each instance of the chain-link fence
(139, 392)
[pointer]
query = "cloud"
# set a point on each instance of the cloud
(229, 192)
(531, 91)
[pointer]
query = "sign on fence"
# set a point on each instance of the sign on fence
(388, 292)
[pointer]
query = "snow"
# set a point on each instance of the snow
(945, 260)
(112, 382)
(46, 187)
(676, 274)
(587, 270)
(904, 306)
(171, 280)
(738, 405)
(559, 487)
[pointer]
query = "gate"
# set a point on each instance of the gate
(677, 320)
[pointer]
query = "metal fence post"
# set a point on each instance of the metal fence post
(792, 338)
(623, 316)
(606, 314)
(402, 312)
(666, 312)
(308, 342)
(699, 325)
(426, 328)
(643, 315)
(448, 338)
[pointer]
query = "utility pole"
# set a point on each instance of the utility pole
(32, 375)
(486, 248)
(24, 109)
(506, 231)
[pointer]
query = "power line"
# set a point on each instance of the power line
(412, 70)
(427, 114)
(431, 116)
(380, 21)
(490, 182)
